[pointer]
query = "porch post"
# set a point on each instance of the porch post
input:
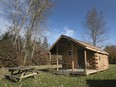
(49, 60)
(57, 56)
(85, 61)
(72, 66)
(72, 57)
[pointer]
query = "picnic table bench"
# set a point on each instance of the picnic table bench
(18, 73)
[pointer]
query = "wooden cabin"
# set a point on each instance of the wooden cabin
(77, 57)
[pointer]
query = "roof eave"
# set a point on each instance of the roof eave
(55, 43)
(97, 50)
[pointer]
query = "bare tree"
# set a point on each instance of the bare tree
(28, 16)
(95, 26)
(26, 13)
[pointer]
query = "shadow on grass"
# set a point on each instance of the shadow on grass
(101, 83)
(15, 80)
(9, 79)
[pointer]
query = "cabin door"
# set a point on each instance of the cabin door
(81, 58)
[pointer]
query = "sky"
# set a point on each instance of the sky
(67, 17)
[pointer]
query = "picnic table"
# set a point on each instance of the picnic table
(18, 73)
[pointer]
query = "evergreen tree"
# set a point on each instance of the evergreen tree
(39, 41)
(45, 43)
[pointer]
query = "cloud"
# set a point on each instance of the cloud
(52, 36)
(55, 33)
(67, 31)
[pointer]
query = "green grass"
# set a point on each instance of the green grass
(50, 80)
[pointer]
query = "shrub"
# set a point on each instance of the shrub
(9, 56)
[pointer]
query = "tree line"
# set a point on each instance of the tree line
(11, 55)
(111, 49)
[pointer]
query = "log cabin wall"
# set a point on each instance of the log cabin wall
(102, 60)
(69, 58)
(90, 60)
(94, 60)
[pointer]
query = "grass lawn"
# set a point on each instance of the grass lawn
(101, 79)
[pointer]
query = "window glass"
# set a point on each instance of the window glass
(70, 53)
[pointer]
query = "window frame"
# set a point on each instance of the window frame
(70, 53)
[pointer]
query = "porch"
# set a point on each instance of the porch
(75, 72)
(72, 67)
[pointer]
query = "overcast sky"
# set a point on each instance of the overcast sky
(67, 17)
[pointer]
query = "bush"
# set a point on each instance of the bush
(38, 59)
(9, 56)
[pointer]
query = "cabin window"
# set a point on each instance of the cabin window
(70, 53)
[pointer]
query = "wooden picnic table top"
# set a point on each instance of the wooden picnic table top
(21, 68)
(18, 73)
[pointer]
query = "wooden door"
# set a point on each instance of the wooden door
(81, 59)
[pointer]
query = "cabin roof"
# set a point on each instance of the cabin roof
(83, 44)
